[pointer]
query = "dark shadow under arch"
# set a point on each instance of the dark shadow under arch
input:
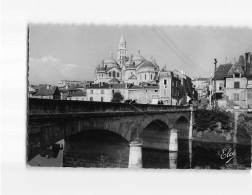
(182, 120)
(182, 125)
(96, 148)
(155, 135)
(98, 135)
(158, 125)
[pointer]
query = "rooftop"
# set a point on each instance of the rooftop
(76, 94)
(222, 71)
(44, 91)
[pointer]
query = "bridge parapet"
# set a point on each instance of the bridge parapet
(46, 106)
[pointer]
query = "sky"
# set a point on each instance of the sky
(71, 52)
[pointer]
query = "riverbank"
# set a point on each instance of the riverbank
(220, 137)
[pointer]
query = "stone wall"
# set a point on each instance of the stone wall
(52, 120)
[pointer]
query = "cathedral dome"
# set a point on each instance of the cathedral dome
(138, 59)
(128, 63)
(146, 66)
(110, 61)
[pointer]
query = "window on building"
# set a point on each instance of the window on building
(91, 99)
(102, 99)
(221, 85)
(131, 73)
(156, 90)
(118, 74)
(236, 85)
(151, 76)
(114, 74)
(165, 82)
(109, 74)
(236, 96)
(145, 77)
(237, 75)
(102, 91)
(91, 91)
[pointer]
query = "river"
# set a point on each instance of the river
(101, 150)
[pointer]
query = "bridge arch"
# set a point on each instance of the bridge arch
(182, 124)
(158, 124)
(156, 135)
(99, 135)
(96, 148)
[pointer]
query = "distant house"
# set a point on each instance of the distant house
(174, 87)
(48, 92)
(232, 84)
(64, 93)
(143, 94)
(201, 86)
(79, 95)
(104, 92)
(73, 89)
(31, 91)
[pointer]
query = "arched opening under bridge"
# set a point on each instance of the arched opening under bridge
(96, 148)
(156, 135)
(182, 125)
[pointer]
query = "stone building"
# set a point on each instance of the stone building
(78, 95)
(174, 87)
(134, 69)
(232, 84)
(201, 85)
(104, 92)
(48, 92)
(138, 79)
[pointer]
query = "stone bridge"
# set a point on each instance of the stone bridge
(52, 120)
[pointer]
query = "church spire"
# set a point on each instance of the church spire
(122, 43)
(122, 51)
(122, 40)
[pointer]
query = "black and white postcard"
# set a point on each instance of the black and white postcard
(157, 97)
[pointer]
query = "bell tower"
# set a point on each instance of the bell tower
(122, 52)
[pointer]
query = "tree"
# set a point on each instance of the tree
(208, 119)
(241, 60)
(117, 97)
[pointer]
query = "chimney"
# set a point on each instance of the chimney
(246, 58)
(48, 87)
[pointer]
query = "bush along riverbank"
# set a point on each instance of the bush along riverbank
(219, 126)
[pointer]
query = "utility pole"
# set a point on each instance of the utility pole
(215, 69)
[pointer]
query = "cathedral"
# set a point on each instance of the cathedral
(127, 69)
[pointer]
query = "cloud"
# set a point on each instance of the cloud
(71, 66)
(49, 58)
(49, 69)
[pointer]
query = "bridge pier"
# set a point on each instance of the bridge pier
(190, 153)
(135, 155)
(191, 124)
(173, 158)
(173, 142)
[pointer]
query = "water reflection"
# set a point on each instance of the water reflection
(104, 150)
(50, 157)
